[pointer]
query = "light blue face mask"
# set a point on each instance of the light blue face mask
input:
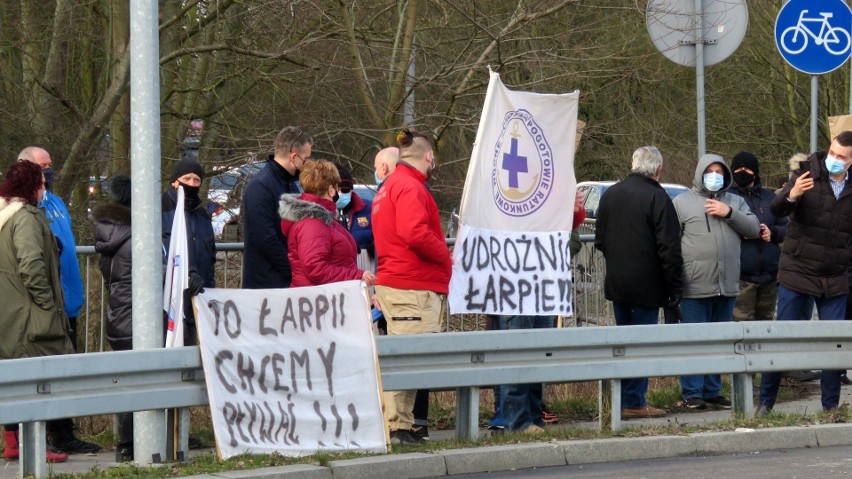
(834, 165)
(713, 181)
(343, 200)
(378, 181)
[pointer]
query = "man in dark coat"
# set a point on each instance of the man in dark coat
(638, 233)
(817, 252)
(758, 256)
(265, 263)
(199, 232)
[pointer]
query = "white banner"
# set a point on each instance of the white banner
(177, 275)
(518, 198)
(291, 371)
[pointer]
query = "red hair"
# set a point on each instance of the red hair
(23, 180)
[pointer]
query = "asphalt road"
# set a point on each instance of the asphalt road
(789, 464)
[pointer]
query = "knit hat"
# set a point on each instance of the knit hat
(119, 189)
(186, 166)
(745, 159)
(345, 176)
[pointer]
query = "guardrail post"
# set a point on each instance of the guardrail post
(609, 404)
(32, 443)
(467, 413)
(743, 394)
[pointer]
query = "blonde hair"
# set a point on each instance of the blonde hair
(318, 175)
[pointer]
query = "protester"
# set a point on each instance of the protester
(189, 174)
(385, 164)
(32, 319)
(61, 435)
(638, 233)
(265, 263)
(320, 250)
(112, 243)
(414, 261)
(354, 212)
(712, 222)
(759, 256)
(817, 252)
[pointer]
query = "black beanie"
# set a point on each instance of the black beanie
(747, 159)
(186, 166)
(345, 175)
(119, 189)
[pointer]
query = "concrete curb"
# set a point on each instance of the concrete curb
(557, 453)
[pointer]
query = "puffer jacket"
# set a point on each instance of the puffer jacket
(320, 249)
(69, 267)
(711, 245)
(112, 243)
(759, 259)
(32, 318)
(818, 249)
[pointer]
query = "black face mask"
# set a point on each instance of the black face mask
(190, 196)
(335, 197)
(48, 177)
(743, 178)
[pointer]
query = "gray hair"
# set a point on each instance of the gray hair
(647, 160)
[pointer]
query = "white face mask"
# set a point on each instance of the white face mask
(713, 181)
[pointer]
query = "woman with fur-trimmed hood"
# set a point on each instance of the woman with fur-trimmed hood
(320, 250)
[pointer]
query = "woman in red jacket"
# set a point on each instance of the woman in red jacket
(321, 250)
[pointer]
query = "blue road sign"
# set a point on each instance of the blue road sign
(814, 37)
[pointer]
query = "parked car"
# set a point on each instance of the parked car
(592, 192)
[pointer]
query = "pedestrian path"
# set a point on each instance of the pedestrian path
(79, 463)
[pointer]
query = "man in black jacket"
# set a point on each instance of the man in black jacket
(638, 233)
(817, 252)
(265, 262)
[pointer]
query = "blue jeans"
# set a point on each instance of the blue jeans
(795, 306)
(521, 404)
(633, 390)
(718, 309)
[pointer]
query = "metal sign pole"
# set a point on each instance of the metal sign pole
(814, 112)
(146, 222)
(699, 76)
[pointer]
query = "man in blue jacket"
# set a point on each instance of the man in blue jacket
(265, 262)
(62, 430)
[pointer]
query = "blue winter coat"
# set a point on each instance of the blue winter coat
(265, 262)
(759, 259)
(69, 268)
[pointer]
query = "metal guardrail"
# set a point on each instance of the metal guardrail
(102, 383)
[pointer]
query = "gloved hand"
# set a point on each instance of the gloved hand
(196, 284)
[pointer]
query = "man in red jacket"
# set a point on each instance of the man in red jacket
(414, 262)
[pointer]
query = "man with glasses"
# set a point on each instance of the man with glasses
(61, 431)
(265, 262)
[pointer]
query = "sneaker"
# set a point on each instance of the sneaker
(719, 401)
(70, 444)
(549, 418)
(640, 412)
(420, 433)
(695, 403)
(801, 376)
(532, 430)
(762, 410)
(844, 378)
(403, 436)
(497, 430)
(124, 453)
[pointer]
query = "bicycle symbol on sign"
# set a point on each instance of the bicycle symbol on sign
(835, 40)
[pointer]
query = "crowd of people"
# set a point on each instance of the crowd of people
(726, 250)
(729, 250)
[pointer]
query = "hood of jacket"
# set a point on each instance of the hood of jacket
(112, 227)
(8, 209)
(293, 209)
(115, 213)
(706, 160)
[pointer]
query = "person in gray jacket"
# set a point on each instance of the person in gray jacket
(712, 223)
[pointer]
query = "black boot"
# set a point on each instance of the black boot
(63, 439)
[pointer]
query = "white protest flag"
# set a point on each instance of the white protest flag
(292, 371)
(511, 254)
(177, 275)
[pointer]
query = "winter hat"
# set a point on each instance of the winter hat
(119, 189)
(186, 166)
(345, 175)
(747, 159)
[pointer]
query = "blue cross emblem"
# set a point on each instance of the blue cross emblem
(514, 163)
